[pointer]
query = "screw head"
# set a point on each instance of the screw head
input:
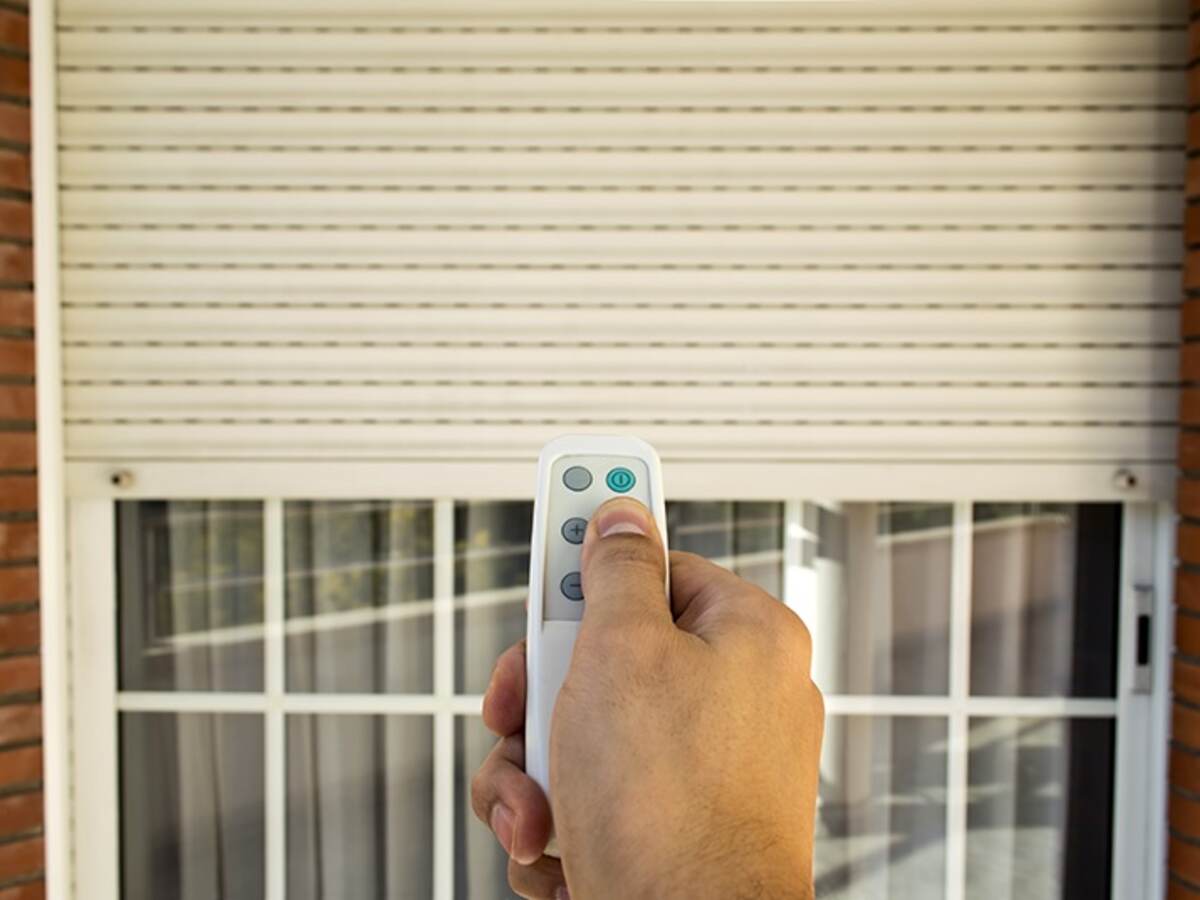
(1124, 480)
(122, 478)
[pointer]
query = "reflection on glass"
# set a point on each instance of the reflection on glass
(874, 589)
(1044, 599)
(744, 537)
(881, 818)
(491, 585)
(480, 866)
(191, 806)
(359, 807)
(1039, 813)
(190, 595)
(359, 596)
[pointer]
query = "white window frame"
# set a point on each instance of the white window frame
(1140, 763)
(77, 554)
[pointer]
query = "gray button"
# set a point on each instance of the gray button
(577, 478)
(571, 586)
(573, 530)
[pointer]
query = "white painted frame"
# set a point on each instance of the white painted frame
(1139, 814)
(52, 561)
(78, 594)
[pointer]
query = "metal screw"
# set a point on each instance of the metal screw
(1124, 480)
(122, 478)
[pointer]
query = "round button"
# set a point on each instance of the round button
(573, 530)
(620, 480)
(571, 586)
(577, 478)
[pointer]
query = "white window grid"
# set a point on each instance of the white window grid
(1139, 789)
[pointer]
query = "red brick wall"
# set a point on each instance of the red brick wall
(1184, 851)
(21, 856)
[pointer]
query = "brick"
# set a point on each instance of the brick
(16, 263)
(18, 403)
(14, 170)
(20, 766)
(1189, 354)
(16, 218)
(17, 309)
(19, 631)
(1185, 730)
(1191, 264)
(1188, 543)
(19, 540)
(1175, 891)
(1187, 636)
(14, 123)
(20, 813)
(14, 30)
(23, 675)
(19, 584)
(1184, 860)
(1187, 495)
(20, 722)
(18, 450)
(1185, 815)
(1187, 684)
(16, 354)
(14, 77)
(31, 890)
(18, 493)
(1190, 318)
(22, 858)
(1191, 226)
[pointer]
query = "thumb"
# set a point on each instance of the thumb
(624, 568)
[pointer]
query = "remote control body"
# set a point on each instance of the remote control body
(576, 474)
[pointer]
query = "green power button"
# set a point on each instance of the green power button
(620, 479)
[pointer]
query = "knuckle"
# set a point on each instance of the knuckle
(792, 635)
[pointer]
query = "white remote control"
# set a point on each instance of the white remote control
(576, 474)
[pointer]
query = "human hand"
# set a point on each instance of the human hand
(685, 739)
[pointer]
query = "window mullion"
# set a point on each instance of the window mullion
(275, 755)
(443, 688)
(960, 687)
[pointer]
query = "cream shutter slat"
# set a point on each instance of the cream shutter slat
(913, 231)
(831, 323)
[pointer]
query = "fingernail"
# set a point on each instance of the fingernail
(502, 821)
(561, 893)
(623, 517)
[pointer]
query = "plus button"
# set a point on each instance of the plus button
(573, 530)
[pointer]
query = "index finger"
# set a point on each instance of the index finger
(504, 701)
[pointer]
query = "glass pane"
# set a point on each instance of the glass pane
(1039, 813)
(359, 807)
(480, 866)
(190, 595)
(359, 596)
(744, 537)
(1044, 599)
(874, 589)
(491, 585)
(881, 818)
(191, 806)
